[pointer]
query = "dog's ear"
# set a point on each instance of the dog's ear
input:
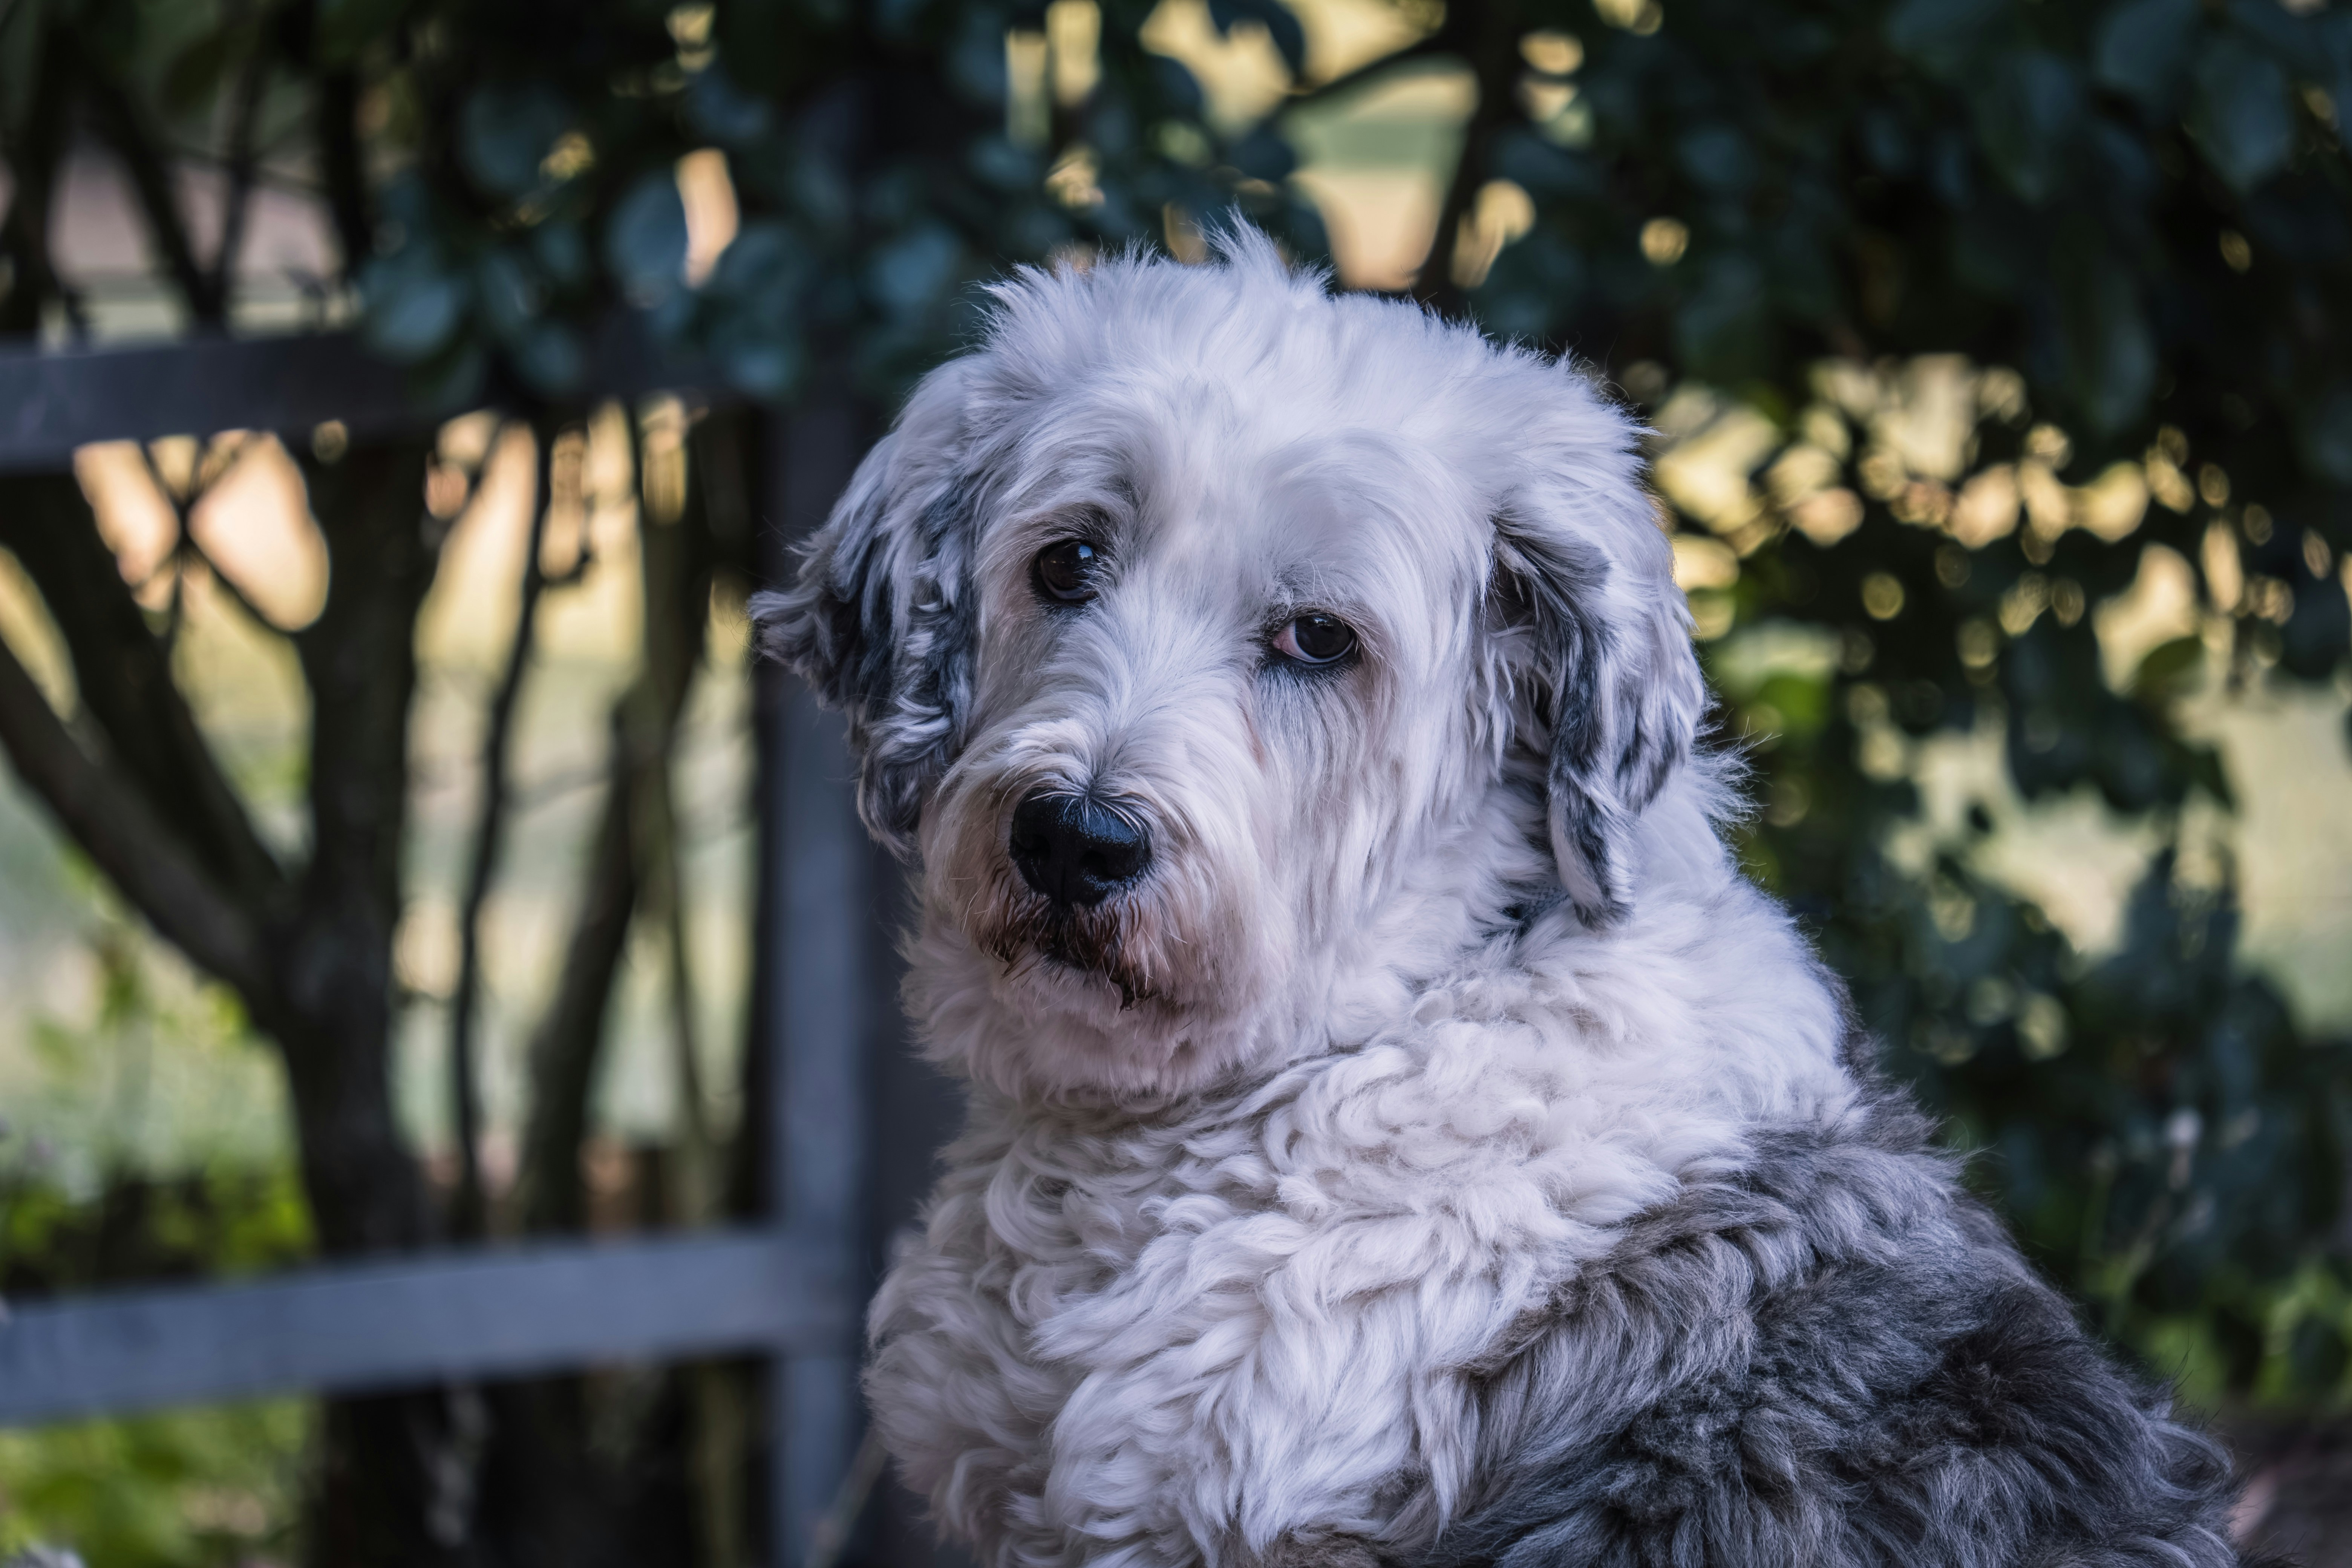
(881, 617)
(1604, 677)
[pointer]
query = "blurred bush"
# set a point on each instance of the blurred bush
(198, 1488)
(203, 1489)
(1994, 302)
(142, 1201)
(1948, 312)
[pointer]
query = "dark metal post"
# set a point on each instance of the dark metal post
(816, 950)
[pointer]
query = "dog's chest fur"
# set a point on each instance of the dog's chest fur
(1253, 1317)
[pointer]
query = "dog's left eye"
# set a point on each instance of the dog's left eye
(1316, 639)
(1065, 571)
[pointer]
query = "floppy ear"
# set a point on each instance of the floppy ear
(1606, 673)
(880, 619)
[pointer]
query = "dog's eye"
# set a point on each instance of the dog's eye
(1065, 571)
(1316, 639)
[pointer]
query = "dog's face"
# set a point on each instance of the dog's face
(1218, 648)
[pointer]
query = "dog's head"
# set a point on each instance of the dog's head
(1218, 648)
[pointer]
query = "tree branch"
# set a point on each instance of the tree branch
(1488, 45)
(564, 1048)
(676, 577)
(489, 832)
(189, 550)
(340, 162)
(242, 163)
(334, 945)
(124, 674)
(629, 858)
(32, 165)
(107, 815)
(1430, 46)
(120, 123)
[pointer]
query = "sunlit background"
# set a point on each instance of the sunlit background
(1373, 163)
(118, 1062)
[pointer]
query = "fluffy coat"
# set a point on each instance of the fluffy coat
(1443, 1155)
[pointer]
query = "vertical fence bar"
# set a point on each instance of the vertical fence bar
(821, 907)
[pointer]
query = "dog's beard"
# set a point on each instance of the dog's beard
(1101, 942)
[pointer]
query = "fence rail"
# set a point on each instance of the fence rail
(52, 400)
(790, 1290)
(444, 1317)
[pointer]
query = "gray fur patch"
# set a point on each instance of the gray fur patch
(881, 623)
(1618, 718)
(1828, 1357)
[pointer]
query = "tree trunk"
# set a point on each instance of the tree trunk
(549, 1498)
(396, 1487)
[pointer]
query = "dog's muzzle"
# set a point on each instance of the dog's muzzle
(1076, 850)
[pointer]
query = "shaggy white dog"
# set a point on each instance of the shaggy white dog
(1397, 1131)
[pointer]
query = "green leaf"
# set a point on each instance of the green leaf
(1544, 169)
(915, 269)
(346, 28)
(1724, 331)
(510, 291)
(2241, 115)
(2318, 631)
(2326, 428)
(2026, 118)
(2297, 44)
(1264, 155)
(1717, 157)
(2143, 49)
(2207, 771)
(558, 247)
(644, 242)
(765, 368)
(1943, 37)
(504, 132)
(724, 112)
(451, 382)
(193, 78)
(2110, 353)
(550, 357)
(413, 306)
(1278, 19)
(2170, 671)
(761, 272)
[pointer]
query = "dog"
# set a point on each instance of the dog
(1397, 1132)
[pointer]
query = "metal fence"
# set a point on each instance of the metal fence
(791, 1288)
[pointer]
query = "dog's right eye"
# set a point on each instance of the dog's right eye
(1065, 571)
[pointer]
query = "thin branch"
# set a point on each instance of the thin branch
(124, 674)
(120, 123)
(109, 818)
(32, 163)
(564, 1048)
(343, 167)
(673, 576)
(1492, 54)
(242, 163)
(489, 832)
(183, 510)
(665, 896)
(1430, 46)
(633, 862)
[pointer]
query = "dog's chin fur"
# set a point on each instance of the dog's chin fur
(1440, 1153)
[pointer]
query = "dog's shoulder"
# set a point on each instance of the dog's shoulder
(1827, 1354)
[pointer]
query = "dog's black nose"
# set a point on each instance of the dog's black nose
(1075, 850)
